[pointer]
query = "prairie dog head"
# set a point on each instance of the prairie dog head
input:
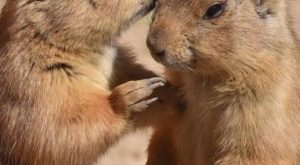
(69, 23)
(210, 36)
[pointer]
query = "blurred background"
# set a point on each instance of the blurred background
(132, 149)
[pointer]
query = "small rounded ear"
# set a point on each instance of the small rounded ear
(265, 8)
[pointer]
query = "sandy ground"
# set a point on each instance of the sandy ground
(295, 12)
(2, 3)
(131, 150)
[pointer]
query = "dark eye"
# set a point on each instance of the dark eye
(214, 11)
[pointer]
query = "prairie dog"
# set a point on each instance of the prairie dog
(238, 66)
(63, 99)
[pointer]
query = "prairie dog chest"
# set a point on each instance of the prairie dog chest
(197, 129)
(106, 64)
(195, 139)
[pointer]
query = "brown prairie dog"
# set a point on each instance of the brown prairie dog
(61, 101)
(238, 63)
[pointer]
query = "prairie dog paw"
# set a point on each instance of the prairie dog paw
(132, 96)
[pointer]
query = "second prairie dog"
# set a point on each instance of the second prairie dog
(238, 65)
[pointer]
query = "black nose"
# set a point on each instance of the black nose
(156, 48)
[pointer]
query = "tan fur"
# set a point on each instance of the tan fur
(240, 75)
(61, 101)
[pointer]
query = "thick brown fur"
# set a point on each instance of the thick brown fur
(240, 77)
(61, 101)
